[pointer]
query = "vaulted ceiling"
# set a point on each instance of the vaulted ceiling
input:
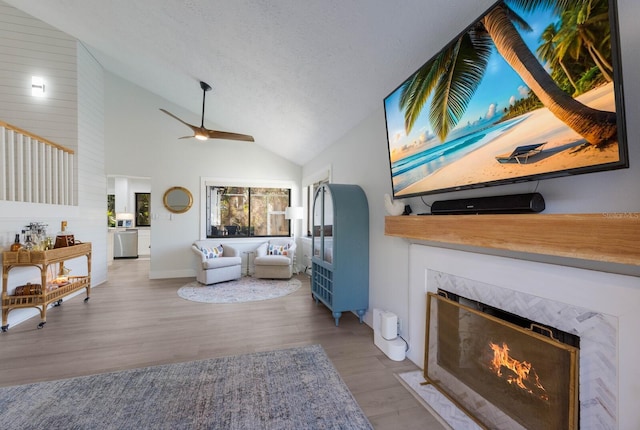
(295, 74)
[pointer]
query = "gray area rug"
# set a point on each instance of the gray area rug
(294, 388)
(245, 289)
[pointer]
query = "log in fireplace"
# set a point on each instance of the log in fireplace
(504, 371)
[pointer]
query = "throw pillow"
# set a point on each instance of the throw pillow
(212, 252)
(278, 249)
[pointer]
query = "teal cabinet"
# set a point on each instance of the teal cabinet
(340, 243)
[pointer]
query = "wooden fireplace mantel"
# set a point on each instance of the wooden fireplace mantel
(606, 237)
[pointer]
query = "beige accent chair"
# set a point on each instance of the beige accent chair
(270, 266)
(226, 267)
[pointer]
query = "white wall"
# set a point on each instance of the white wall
(360, 157)
(92, 181)
(143, 141)
(71, 115)
(33, 48)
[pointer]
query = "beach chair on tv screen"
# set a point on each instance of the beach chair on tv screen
(521, 154)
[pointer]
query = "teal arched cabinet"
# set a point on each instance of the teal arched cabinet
(340, 243)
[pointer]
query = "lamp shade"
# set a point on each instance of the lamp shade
(294, 212)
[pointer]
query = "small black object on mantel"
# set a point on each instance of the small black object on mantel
(407, 210)
(509, 204)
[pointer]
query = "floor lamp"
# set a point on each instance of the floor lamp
(294, 213)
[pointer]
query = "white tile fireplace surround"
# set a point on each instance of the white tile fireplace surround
(600, 307)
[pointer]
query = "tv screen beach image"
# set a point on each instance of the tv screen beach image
(521, 94)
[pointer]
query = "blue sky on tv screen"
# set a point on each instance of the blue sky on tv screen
(499, 86)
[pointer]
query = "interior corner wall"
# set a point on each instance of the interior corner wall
(361, 157)
(92, 180)
(144, 142)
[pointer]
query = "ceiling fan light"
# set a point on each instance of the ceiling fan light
(201, 136)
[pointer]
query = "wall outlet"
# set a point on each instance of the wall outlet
(399, 326)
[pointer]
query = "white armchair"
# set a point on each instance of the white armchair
(225, 266)
(274, 259)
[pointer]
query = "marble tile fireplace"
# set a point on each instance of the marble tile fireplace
(597, 307)
(503, 370)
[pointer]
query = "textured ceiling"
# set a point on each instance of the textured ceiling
(295, 74)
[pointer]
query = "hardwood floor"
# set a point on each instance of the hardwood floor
(132, 321)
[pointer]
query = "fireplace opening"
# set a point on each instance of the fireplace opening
(562, 336)
(503, 370)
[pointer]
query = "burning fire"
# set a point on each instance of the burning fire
(523, 371)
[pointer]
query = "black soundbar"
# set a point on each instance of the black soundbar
(510, 204)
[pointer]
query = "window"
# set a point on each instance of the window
(111, 210)
(143, 209)
(247, 211)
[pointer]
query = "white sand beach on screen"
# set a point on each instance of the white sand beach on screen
(562, 149)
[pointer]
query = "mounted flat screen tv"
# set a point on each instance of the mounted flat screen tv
(530, 90)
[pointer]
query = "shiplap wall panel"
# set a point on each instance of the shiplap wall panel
(3, 163)
(91, 175)
(33, 52)
(30, 47)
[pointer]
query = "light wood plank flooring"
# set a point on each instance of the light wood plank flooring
(132, 321)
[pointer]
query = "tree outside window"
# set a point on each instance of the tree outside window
(111, 210)
(247, 211)
(143, 210)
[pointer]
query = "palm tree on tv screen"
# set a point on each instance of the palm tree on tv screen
(548, 51)
(582, 28)
(454, 75)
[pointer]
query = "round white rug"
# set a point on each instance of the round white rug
(245, 289)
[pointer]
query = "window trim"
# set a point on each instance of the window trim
(235, 182)
(249, 196)
(321, 176)
(135, 202)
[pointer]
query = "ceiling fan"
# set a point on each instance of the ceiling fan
(202, 133)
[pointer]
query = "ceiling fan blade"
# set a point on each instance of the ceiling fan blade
(192, 127)
(201, 133)
(186, 137)
(215, 134)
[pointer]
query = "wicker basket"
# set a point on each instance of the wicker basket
(23, 256)
(28, 289)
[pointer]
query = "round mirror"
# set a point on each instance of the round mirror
(178, 200)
